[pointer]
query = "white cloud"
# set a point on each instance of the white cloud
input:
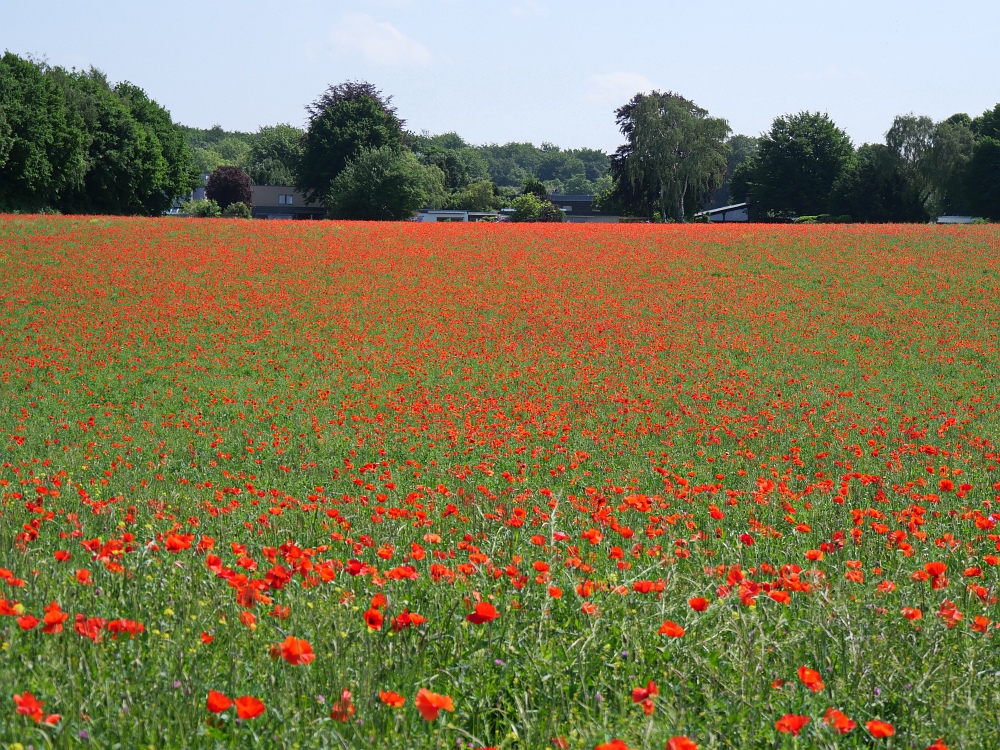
(617, 88)
(378, 42)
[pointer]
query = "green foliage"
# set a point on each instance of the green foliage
(166, 172)
(674, 155)
(987, 125)
(41, 141)
(461, 167)
(228, 185)
(206, 209)
(983, 178)
(797, 164)
(384, 184)
(346, 121)
(238, 210)
(534, 187)
(528, 207)
(432, 182)
(479, 196)
(274, 155)
(742, 148)
(879, 186)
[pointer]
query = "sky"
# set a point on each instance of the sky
(532, 70)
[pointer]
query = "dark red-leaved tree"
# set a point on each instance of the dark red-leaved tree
(228, 185)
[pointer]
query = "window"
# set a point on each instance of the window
(289, 199)
(281, 200)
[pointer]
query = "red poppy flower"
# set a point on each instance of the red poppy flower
(811, 679)
(389, 698)
(839, 721)
(27, 622)
(614, 744)
(28, 705)
(698, 604)
(791, 724)
(296, 651)
(681, 743)
(217, 702)
(939, 745)
(206, 638)
(373, 619)
(671, 629)
(429, 704)
(880, 729)
(248, 707)
(483, 613)
(343, 708)
(639, 694)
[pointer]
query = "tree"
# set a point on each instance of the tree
(983, 178)
(879, 186)
(533, 187)
(168, 169)
(347, 120)
(742, 148)
(432, 182)
(797, 163)
(987, 125)
(274, 155)
(673, 151)
(41, 141)
(228, 185)
(945, 166)
(479, 196)
(383, 184)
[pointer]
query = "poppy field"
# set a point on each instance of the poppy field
(337, 485)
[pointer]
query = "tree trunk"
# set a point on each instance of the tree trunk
(663, 202)
(680, 203)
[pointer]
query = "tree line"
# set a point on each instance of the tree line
(71, 141)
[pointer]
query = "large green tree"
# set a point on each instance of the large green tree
(797, 163)
(166, 172)
(382, 184)
(274, 154)
(983, 178)
(674, 152)
(346, 121)
(878, 187)
(41, 140)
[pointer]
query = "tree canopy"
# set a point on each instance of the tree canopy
(381, 184)
(798, 161)
(674, 155)
(69, 140)
(229, 185)
(345, 121)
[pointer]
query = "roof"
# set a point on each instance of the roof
(568, 197)
(722, 209)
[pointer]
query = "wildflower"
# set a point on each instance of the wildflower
(811, 679)
(217, 702)
(839, 721)
(880, 729)
(342, 708)
(248, 707)
(429, 704)
(373, 619)
(791, 724)
(28, 705)
(296, 651)
(389, 698)
(681, 743)
(698, 604)
(671, 629)
(483, 613)
(614, 744)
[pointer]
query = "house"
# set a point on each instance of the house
(447, 215)
(738, 212)
(956, 220)
(283, 202)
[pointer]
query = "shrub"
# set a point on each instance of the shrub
(206, 209)
(238, 210)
